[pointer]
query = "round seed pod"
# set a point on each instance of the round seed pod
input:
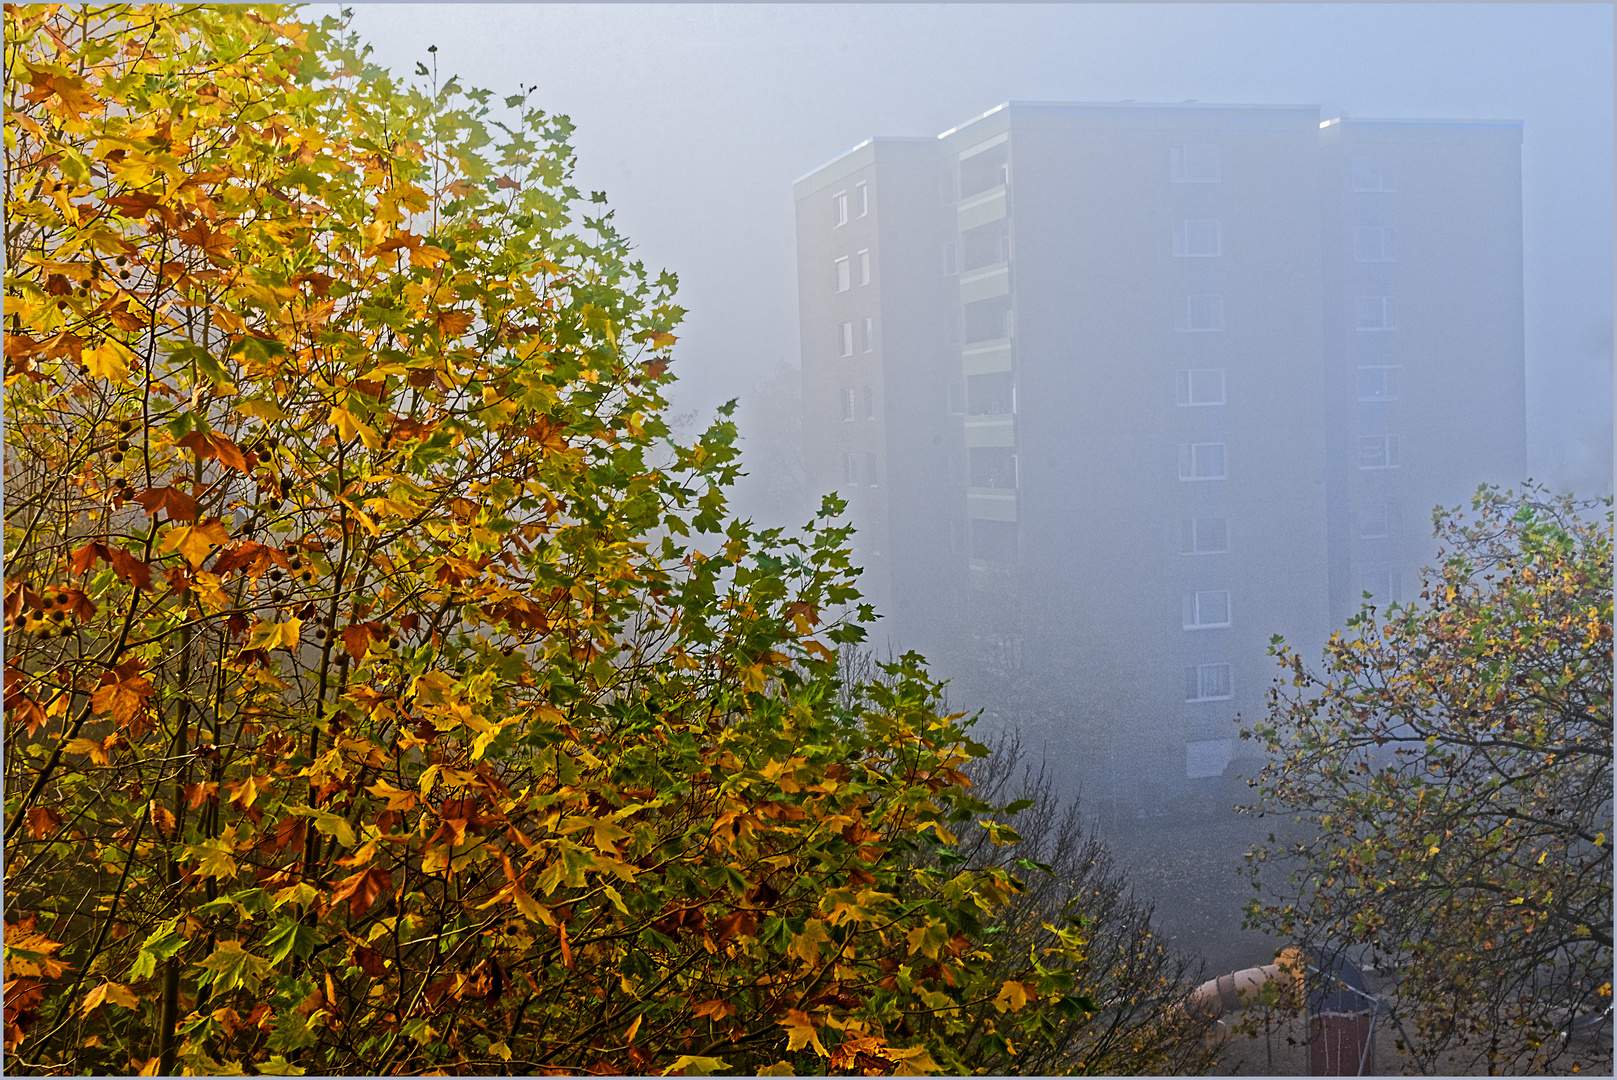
(295, 563)
(275, 575)
(320, 633)
(58, 615)
(62, 598)
(117, 457)
(123, 275)
(121, 261)
(123, 444)
(277, 595)
(263, 455)
(126, 426)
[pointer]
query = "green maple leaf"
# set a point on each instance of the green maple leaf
(159, 945)
(291, 936)
(232, 966)
(213, 858)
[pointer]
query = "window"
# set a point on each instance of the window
(1207, 609)
(1208, 682)
(1373, 313)
(992, 466)
(1201, 386)
(845, 339)
(1203, 536)
(1193, 164)
(987, 320)
(839, 209)
(985, 169)
(1201, 461)
(870, 402)
(1196, 239)
(957, 399)
(946, 196)
(861, 198)
(951, 259)
(1379, 520)
(843, 278)
(1202, 313)
(1372, 243)
(867, 335)
(850, 469)
(1378, 451)
(1383, 586)
(864, 267)
(1378, 382)
(848, 412)
(990, 395)
(993, 541)
(986, 245)
(870, 469)
(1371, 175)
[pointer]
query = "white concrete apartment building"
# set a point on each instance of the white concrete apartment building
(1116, 392)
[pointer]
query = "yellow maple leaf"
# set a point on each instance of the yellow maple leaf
(195, 541)
(397, 798)
(1012, 996)
(427, 255)
(116, 993)
(800, 1032)
(268, 635)
(109, 361)
(916, 1061)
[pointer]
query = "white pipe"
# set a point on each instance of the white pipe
(1235, 991)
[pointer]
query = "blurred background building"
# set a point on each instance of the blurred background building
(1117, 392)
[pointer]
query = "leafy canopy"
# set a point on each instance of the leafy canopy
(1451, 773)
(384, 691)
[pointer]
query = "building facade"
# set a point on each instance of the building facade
(1118, 392)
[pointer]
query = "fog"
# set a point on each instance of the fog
(697, 119)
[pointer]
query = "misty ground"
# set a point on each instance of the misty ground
(1187, 859)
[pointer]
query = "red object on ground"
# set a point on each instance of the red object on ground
(1336, 1042)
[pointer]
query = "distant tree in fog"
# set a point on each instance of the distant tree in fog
(774, 490)
(1451, 773)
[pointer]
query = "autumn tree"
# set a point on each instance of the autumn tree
(384, 691)
(1450, 773)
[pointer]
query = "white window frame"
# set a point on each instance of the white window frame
(1370, 176)
(1207, 680)
(1386, 375)
(864, 266)
(850, 405)
(861, 200)
(1204, 609)
(869, 396)
(1374, 314)
(1208, 319)
(1378, 452)
(1201, 386)
(1382, 586)
(1373, 244)
(1389, 521)
(844, 275)
(871, 479)
(845, 341)
(839, 209)
(957, 398)
(869, 327)
(1198, 238)
(850, 468)
(1197, 461)
(951, 258)
(1191, 540)
(1194, 165)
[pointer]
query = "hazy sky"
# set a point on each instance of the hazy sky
(697, 118)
